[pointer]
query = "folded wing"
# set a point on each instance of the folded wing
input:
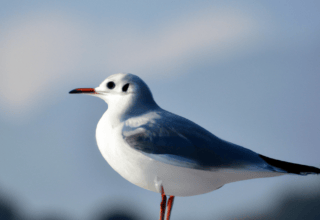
(175, 140)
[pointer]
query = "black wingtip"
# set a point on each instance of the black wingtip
(74, 91)
(291, 167)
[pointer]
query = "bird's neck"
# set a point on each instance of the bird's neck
(120, 111)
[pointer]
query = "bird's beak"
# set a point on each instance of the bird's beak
(84, 90)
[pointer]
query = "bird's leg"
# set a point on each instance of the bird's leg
(163, 204)
(169, 207)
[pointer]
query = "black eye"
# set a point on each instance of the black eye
(111, 85)
(125, 87)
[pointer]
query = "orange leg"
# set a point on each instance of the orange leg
(169, 207)
(163, 204)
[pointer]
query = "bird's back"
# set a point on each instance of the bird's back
(178, 141)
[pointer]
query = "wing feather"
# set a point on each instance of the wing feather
(175, 140)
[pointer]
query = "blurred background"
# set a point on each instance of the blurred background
(248, 71)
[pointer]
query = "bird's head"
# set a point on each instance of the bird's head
(123, 92)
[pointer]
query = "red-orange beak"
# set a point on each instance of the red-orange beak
(83, 90)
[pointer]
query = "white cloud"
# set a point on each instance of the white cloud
(37, 54)
(34, 56)
(178, 40)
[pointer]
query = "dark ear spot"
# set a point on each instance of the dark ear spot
(125, 87)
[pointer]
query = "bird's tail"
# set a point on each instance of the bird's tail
(291, 167)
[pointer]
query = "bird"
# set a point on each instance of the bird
(169, 154)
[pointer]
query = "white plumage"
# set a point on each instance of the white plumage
(155, 149)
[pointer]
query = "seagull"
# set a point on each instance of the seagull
(166, 153)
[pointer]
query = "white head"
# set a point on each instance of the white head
(126, 95)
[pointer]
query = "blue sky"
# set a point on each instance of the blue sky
(247, 71)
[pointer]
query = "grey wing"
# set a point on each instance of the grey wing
(175, 140)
